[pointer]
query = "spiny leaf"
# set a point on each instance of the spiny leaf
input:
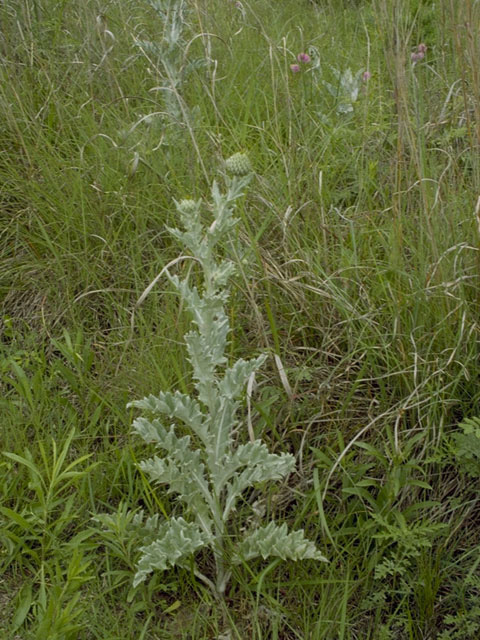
(177, 540)
(128, 523)
(187, 480)
(271, 467)
(204, 308)
(253, 456)
(205, 355)
(174, 405)
(274, 540)
(221, 275)
(223, 423)
(236, 377)
(178, 448)
(191, 241)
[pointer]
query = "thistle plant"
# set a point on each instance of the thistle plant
(202, 459)
(346, 90)
(167, 54)
(171, 66)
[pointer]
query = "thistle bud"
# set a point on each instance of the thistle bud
(187, 206)
(238, 164)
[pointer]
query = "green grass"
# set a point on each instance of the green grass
(362, 277)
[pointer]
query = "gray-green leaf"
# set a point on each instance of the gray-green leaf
(177, 540)
(260, 466)
(274, 540)
(174, 405)
(188, 480)
(236, 377)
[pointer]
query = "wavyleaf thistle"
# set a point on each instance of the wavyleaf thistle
(187, 206)
(238, 164)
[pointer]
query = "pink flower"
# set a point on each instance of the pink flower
(295, 68)
(303, 57)
(366, 75)
(417, 55)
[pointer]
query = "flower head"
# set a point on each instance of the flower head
(238, 164)
(187, 206)
(366, 75)
(303, 57)
(417, 55)
(294, 68)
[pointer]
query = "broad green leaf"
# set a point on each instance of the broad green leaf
(27, 462)
(25, 601)
(16, 517)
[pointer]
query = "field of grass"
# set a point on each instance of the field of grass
(361, 231)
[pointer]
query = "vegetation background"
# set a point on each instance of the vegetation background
(363, 225)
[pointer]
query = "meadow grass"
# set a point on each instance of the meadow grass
(361, 283)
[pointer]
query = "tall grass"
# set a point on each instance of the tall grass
(361, 282)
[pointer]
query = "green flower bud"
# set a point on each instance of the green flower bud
(238, 164)
(187, 206)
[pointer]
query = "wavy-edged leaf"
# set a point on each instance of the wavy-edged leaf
(471, 425)
(466, 446)
(221, 275)
(253, 455)
(174, 405)
(177, 541)
(236, 377)
(198, 63)
(203, 308)
(275, 540)
(190, 216)
(127, 524)
(190, 239)
(264, 466)
(207, 347)
(221, 426)
(124, 519)
(187, 480)
(177, 447)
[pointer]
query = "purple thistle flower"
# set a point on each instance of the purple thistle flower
(295, 68)
(366, 75)
(417, 55)
(303, 57)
